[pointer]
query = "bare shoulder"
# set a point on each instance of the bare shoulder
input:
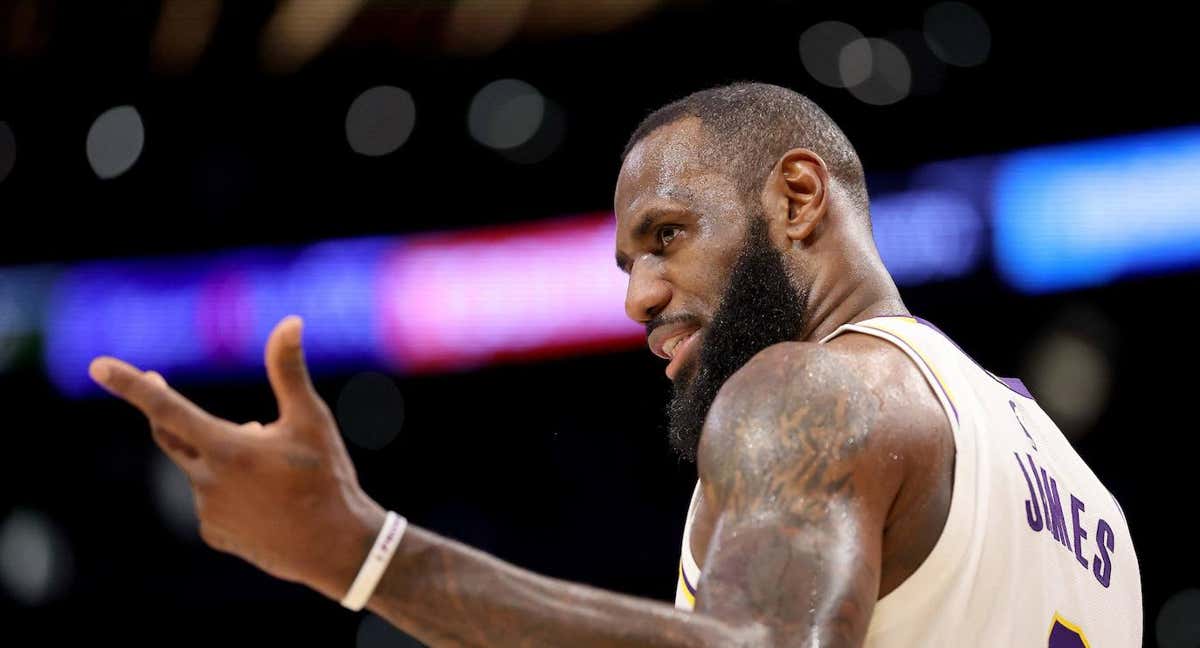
(850, 418)
(823, 466)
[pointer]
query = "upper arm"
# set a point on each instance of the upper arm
(795, 458)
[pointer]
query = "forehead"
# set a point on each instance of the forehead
(666, 169)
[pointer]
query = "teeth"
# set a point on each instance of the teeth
(669, 345)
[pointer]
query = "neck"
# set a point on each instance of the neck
(834, 301)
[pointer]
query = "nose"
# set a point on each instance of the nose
(648, 293)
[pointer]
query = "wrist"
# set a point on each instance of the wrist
(364, 520)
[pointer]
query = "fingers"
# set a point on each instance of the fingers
(287, 372)
(175, 447)
(162, 405)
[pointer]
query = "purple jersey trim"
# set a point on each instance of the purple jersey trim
(1016, 385)
(691, 590)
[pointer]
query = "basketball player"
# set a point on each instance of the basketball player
(862, 482)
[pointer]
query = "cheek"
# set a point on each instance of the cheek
(703, 272)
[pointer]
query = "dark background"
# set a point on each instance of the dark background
(558, 466)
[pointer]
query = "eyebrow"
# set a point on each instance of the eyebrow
(649, 219)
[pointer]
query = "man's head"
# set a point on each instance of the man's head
(734, 205)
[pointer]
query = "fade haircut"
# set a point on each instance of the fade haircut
(751, 125)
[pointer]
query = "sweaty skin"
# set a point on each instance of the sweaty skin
(825, 468)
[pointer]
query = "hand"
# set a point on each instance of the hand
(283, 496)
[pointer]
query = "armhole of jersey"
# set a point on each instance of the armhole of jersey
(913, 597)
(689, 571)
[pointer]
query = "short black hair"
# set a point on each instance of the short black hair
(751, 125)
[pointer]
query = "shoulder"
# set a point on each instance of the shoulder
(803, 413)
(788, 372)
(790, 399)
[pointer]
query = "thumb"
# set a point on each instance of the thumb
(287, 372)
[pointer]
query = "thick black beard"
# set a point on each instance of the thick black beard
(760, 308)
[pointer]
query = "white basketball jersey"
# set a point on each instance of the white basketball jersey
(1035, 550)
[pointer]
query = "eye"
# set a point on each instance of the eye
(667, 233)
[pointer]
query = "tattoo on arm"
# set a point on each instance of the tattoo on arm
(797, 545)
(794, 560)
(447, 594)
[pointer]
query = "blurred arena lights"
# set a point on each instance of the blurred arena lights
(212, 314)
(22, 304)
(459, 300)
(563, 17)
(183, 31)
(875, 71)
(958, 34)
(1083, 214)
(478, 27)
(301, 29)
(820, 46)
(505, 114)
(1178, 623)
(927, 235)
(36, 563)
(370, 410)
(545, 141)
(1070, 367)
(115, 141)
(855, 62)
(1071, 378)
(432, 302)
(380, 120)
(8, 150)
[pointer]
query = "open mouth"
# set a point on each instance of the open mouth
(679, 349)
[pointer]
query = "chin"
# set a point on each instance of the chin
(688, 371)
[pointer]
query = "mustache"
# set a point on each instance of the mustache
(662, 320)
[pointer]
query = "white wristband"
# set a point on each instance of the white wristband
(376, 562)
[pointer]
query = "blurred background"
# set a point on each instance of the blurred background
(430, 185)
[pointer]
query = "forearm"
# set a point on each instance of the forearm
(447, 594)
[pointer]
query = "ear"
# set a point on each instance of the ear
(803, 180)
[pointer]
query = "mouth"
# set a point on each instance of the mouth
(674, 342)
(679, 349)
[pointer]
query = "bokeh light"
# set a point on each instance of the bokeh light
(477, 27)
(35, 559)
(301, 29)
(506, 114)
(820, 47)
(115, 141)
(1178, 624)
(888, 77)
(370, 410)
(855, 62)
(380, 120)
(958, 34)
(545, 141)
(183, 32)
(1069, 369)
